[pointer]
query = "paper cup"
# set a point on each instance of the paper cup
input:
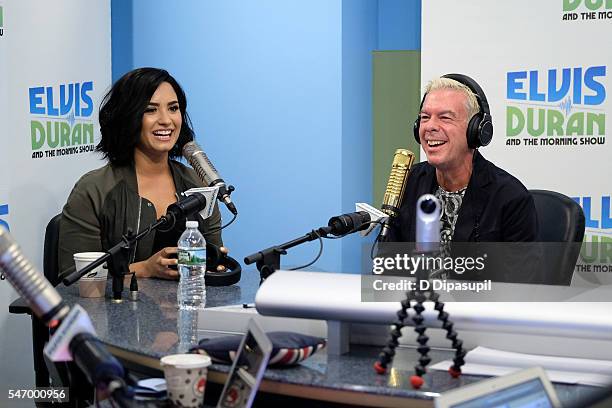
(92, 284)
(186, 378)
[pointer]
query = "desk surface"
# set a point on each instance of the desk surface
(146, 330)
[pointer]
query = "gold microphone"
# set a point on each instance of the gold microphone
(392, 201)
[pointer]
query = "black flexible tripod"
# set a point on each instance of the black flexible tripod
(419, 296)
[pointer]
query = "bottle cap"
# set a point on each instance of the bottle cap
(191, 224)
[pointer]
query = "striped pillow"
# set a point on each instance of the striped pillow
(287, 348)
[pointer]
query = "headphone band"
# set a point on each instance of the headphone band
(473, 86)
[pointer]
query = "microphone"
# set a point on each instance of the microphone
(428, 223)
(182, 209)
(347, 223)
(394, 194)
(74, 339)
(43, 298)
(208, 174)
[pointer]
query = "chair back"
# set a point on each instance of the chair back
(560, 219)
(51, 250)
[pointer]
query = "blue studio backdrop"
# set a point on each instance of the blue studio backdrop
(280, 97)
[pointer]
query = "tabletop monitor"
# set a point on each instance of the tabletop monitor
(247, 370)
(524, 389)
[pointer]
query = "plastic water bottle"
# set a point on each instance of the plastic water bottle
(192, 268)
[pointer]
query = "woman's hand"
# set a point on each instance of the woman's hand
(158, 265)
(224, 251)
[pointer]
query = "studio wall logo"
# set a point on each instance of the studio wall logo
(4, 211)
(1, 22)
(574, 10)
(557, 107)
(596, 253)
(61, 122)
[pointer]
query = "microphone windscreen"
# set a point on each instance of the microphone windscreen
(190, 149)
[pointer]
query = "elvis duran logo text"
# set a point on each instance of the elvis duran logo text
(61, 119)
(4, 211)
(558, 106)
(596, 251)
(574, 10)
(1, 22)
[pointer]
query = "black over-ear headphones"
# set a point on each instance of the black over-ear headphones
(480, 128)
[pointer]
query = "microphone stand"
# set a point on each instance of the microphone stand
(268, 260)
(117, 258)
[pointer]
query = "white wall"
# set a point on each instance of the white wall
(49, 44)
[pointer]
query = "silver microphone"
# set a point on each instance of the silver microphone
(41, 296)
(208, 174)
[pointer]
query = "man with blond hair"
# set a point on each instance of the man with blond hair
(480, 202)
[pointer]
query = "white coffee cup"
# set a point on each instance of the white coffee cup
(186, 378)
(93, 284)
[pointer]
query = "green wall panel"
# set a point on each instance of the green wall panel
(396, 96)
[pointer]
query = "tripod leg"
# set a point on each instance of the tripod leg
(387, 354)
(423, 349)
(447, 324)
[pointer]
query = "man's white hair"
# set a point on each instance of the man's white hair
(471, 102)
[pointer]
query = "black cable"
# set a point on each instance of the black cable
(318, 255)
(328, 237)
(223, 226)
(376, 241)
(355, 230)
(230, 221)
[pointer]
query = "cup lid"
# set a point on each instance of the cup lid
(88, 255)
(186, 361)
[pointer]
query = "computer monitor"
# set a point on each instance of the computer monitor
(524, 389)
(247, 370)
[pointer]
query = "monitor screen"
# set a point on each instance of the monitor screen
(530, 394)
(243, 377)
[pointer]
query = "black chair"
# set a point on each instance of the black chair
(560, 219)
(40, 332)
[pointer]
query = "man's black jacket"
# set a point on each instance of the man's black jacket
(496, 206)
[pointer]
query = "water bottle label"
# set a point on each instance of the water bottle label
(192, 256)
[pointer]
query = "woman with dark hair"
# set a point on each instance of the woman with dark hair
(144, 125)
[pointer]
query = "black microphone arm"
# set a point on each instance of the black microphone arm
(268, 260)
(208, 173)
